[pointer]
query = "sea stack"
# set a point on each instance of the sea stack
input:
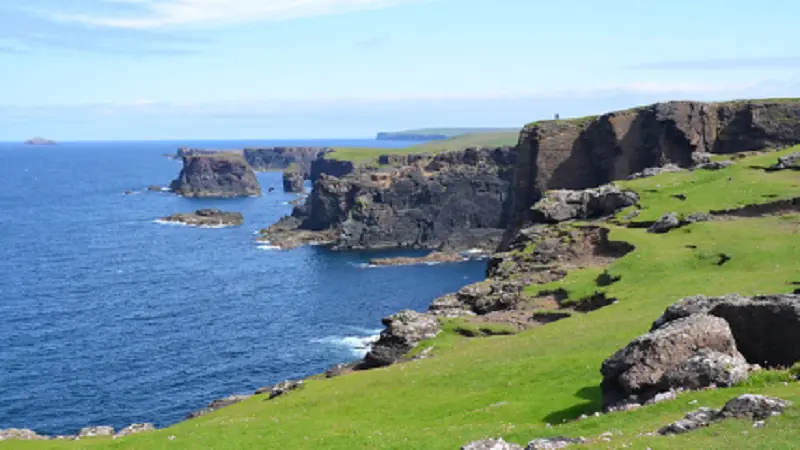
(218, 174)
(293, 179)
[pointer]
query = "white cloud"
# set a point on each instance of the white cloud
(171, 13)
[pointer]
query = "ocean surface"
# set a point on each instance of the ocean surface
(109, 318)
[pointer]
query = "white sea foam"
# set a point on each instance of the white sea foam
(181, 224)
(266, 246)
(358, 345)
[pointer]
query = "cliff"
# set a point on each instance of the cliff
(454, 200)
(279, 158)
(216, 174)
(293, 179)
(588, 152)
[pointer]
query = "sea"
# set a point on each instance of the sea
(108, 317)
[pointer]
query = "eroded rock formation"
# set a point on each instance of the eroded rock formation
(207, 218)
(216, 174)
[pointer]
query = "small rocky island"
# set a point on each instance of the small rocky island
(39, 141)
(216, 174)
(207, 218)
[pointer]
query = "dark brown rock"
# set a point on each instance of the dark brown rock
(216, 174)
(209, 218)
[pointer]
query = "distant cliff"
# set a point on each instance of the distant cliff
(435, 134)
(216, 174)
(588, 152)
(455, 200)
(279, 158)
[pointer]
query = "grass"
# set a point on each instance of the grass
(735, 186)
(368, 155)
(513, 386)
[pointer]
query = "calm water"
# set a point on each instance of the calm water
(107, 318)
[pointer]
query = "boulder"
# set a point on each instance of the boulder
(653, 171)
(636, 373)
(553, 443)
(491, 444)
(217, 404)
(135, 428)
(216, 174)
(666, 223)
(747, 406)
(753, 407)
(699, 418)
(96, 431)
(562, 205)
(403, 332)
(791, 161)
(20, 434)
(207, 218)
(707, 368)
(280, 389)
(715, 165)
(761, 325)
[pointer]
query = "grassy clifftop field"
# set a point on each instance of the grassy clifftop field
(538, 382)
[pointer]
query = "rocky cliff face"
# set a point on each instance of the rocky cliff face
(588, 152)
(293, 180)
(453, 200)
(279, 158)
(330, 167)
(216, 174)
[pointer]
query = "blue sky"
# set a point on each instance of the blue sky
(171, 69)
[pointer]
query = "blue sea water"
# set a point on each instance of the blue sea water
(108, 318)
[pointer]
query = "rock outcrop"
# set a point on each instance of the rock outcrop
(207, 218)
(431, 258)
(491, 444)
(293, 180)
(592, 151)
(217, 404)
(403, 332)
(562, 205)
(704, 341)
(455, 197)
(746, 407)
(791, 161)
(651, 363)
(216, 174)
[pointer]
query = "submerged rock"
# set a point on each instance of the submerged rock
(210, 218)
(403, 332)
(431, 258)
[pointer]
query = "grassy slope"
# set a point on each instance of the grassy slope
(370, 155)
(511, 386)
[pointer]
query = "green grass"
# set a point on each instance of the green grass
(513, 386)
(368, 155)
(706, 190)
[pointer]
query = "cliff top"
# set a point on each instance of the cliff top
(578, 121)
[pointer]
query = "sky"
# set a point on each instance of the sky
(228, 69)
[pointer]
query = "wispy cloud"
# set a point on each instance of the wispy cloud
(22, 31)
(372, 42)
(781, 62)
(155, 14)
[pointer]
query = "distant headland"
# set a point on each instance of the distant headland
(39, 141)
(433, 134)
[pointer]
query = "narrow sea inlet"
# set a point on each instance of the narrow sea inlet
(108, 318)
